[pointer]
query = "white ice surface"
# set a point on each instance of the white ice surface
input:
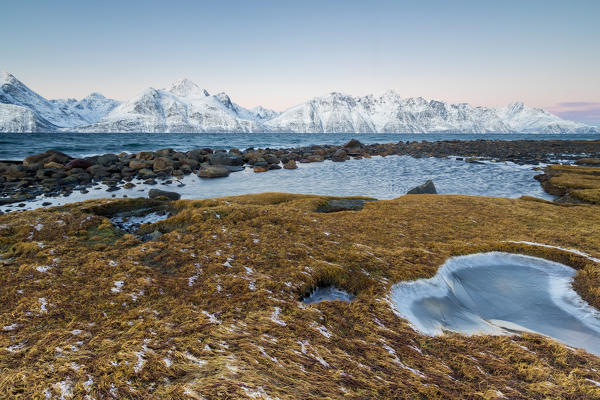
(500, 293)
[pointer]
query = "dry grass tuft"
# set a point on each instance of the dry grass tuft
(210, 309)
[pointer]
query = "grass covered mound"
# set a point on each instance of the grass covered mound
(579, 184)
(210, 308)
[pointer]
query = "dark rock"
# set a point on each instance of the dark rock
(154, 193)
(144, 155)
(150, 182)
(353, 146)
(426, 188)
(16, 171)
(190, 162)
(107, 159)
(260, 162)
(335, 205)
(162, 164)
(11, 200)
(315, 158)
(98, 171)
(128, 185)
(271, 159)
(291, 164)
(225, 159)
(46, 204)
(78, 163)
(197, 155)
(46, 157)
(146, 173)
(139, 164)
(113, 188)
(213, 172)
(339, 155)
(164, 152)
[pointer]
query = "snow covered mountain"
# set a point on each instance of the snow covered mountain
(390, 113)
(185, 107)
(23, 110)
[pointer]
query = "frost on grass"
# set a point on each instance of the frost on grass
(275, 317)
(118, 285)
(321, 349)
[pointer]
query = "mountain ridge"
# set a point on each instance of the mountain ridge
(186, 107)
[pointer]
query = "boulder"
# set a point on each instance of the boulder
(353, 146)
(78, 163)
(260, 162)
(16, 171)
(336, 205)
(190, 162)
(339, 155)
(54, 165)
(162, 164)
(139, 164)
(164, 152)
(98, 171)
(315, 158)
(145, 155)
(271, 159)
(146, 173)
(213, 172)
(107, 159)
(260, 169)
(154, 193)
(291, 164)
(46, 157)
(426, 188)
(197, 155)
(225, 159)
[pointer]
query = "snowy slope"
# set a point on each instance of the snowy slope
(19, 119)
(47, 114)
(185, 107)
(390, 113)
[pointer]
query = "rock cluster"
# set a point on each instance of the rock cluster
(53, 173)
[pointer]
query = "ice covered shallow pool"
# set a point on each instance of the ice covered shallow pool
(500, 293)
(378, 177)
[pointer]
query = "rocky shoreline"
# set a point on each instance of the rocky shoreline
(53, 173)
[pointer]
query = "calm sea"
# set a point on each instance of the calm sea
(15, 146)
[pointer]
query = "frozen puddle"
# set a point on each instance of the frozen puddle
(327, 293)
(500, 293)
(131, 223)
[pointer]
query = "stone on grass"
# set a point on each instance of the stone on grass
(426, 188)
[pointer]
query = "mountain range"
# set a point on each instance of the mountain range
(185, 107)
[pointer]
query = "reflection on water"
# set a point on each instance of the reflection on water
(500, 293)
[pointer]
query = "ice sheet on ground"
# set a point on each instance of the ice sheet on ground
(500, 293)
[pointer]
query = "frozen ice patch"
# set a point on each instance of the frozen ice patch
(500, 293)
(328, 293)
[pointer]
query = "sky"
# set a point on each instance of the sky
(281, 53)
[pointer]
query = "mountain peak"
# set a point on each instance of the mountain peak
(515, 107)
(184, 88)
(7, 77)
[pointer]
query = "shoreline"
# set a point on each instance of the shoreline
(57, 174)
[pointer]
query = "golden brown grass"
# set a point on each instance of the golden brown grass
(578, 184)
(210, 309)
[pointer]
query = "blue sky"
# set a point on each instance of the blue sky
(279, 53)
